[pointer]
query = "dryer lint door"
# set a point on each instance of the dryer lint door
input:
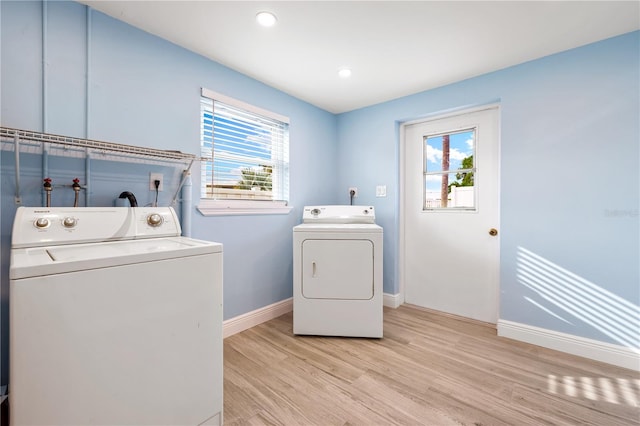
(337, 269)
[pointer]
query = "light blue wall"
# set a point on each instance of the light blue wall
(145, 91)
(569, 175)
(569, 183)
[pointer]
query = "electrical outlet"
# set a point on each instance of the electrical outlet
(154, 177)
(381, 191)
(355, 191)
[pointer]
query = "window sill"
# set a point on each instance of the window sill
(210, 207)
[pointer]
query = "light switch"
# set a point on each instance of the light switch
(381, 191)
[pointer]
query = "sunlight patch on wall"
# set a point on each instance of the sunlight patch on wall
(603, 310)
(614, 391)
(533, 302)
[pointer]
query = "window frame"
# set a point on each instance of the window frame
(426, 173)
(220, 207)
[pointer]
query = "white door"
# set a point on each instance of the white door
(450, 213)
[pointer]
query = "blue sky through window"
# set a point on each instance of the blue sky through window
(461, 146)
(238, 140)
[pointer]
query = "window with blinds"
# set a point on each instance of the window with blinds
(245, 151)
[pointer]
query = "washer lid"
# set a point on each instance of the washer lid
(338, 214)
(38, 261)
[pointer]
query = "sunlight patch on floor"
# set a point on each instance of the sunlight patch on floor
(614, 391)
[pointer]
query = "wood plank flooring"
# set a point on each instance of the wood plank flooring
(429, 369)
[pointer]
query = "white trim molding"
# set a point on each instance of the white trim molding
(251, 319)
(391, 300)
(621, 356)
(210, 207)
(243, 105)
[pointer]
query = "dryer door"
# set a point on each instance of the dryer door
(337, 269)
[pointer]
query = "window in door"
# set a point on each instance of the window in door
(449, 171)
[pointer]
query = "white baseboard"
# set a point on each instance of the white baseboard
(391, 300)
(588, 348)
(251, 319)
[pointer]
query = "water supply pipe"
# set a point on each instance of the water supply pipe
(186, 205)
(16, 141)
(76, 189)
(45, 169)
(87, 178)
(47, 189)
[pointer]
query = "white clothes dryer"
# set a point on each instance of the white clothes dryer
(337, 272)
(115, 319)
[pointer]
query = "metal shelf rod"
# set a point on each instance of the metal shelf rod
(93, 144)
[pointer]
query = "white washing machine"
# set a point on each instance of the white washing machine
(114, 319)
(337, 272)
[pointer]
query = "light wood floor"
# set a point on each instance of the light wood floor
(429, 369)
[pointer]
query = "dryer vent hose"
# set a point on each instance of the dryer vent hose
(129, 196)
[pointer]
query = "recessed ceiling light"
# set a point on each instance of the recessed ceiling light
(266, 19)
(344, 72)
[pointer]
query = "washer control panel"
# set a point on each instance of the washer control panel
(338, 214)
(154, 219)
(46, 222)
(48, 226)
(42, 223)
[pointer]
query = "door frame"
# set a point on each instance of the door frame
(402, 187)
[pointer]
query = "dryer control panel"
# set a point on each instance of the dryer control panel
(339, 214)
(50, 226)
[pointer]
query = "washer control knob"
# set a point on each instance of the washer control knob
(315, 212)
(154, 219)
(42, 222)
(69, 222)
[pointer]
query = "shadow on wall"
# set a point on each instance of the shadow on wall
(608, 313)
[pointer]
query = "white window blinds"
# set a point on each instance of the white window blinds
(247, 148)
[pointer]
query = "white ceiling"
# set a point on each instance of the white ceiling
(395, 48)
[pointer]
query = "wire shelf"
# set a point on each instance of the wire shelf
(35, 142)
